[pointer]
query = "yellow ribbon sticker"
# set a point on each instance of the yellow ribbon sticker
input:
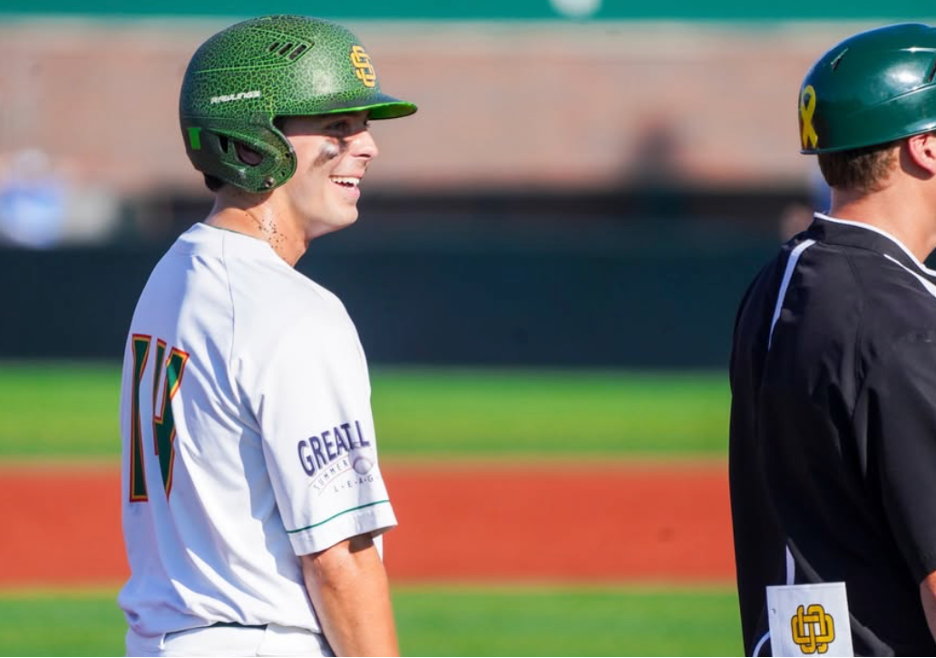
(806, 110)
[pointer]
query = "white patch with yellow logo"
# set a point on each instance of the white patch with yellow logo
(809, 620)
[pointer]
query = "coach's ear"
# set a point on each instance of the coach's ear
(921, 150)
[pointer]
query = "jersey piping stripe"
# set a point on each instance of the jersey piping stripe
(930, 288)
(781, 295)
(790, 580)
(760, 645)
(787, 275)
(887, 235)
(331, 518)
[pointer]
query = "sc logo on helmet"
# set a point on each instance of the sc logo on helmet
(363, 68)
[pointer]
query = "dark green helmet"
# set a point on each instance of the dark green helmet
(245, 76)
(874, 87)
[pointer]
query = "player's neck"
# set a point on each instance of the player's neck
(905, 211)
(261, 221)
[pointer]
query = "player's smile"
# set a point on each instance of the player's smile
(349, 185)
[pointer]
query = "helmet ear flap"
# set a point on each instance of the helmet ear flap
(212, 147)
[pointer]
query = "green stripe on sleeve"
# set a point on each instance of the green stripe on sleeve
(353, 509)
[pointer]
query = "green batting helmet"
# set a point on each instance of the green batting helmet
(245, 76)
(873, 88)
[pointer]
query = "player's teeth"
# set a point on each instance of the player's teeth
(347, 180)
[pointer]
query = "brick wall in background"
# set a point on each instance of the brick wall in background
(502, 105)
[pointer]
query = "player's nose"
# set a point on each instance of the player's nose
(364, 146)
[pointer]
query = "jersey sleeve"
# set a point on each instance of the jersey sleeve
(902, 447)
(318, 436)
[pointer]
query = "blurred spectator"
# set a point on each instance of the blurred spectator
(655, 156)
(32, 200)
(654, 168)
(41, 206)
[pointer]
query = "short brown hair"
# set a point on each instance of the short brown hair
(863, 169)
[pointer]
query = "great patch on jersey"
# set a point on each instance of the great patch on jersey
(320, 451)
(336, 459)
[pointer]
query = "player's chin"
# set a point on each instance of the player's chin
(334, 220)
(345, 217)
(351, 215)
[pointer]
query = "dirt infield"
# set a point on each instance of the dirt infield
(541, 522)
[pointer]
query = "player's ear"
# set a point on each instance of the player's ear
(921, 150)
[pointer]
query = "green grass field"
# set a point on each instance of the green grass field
(438, 621)
(71, 411)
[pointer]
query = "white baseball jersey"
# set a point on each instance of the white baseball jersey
(247, 434)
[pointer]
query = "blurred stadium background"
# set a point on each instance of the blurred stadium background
(546, 269)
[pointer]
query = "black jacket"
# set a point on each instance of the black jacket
(833, 432)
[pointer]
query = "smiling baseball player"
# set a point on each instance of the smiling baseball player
(252, 495)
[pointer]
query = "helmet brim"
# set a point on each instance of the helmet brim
(380, 106)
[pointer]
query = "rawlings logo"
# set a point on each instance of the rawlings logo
(363, 68)
(244, 95)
